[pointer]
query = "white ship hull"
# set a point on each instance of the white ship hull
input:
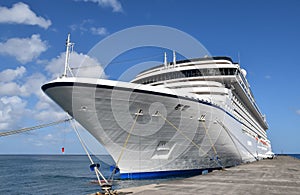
(164, 139)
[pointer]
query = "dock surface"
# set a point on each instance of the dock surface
(280, 175)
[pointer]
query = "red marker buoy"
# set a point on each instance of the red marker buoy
(63, 150)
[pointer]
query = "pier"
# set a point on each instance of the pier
(280, 175)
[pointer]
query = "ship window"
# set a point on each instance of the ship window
(228, 71)
(189, 73)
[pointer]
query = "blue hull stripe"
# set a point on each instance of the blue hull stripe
(164, 174)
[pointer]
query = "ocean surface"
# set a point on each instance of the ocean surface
(295, 155)
(57, 174)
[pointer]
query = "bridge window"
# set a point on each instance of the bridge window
(188, 73)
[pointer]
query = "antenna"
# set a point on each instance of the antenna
(69, 46)
(174, 59)
(165, 60)
(239, 58)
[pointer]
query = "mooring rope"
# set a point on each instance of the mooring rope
(212, 145)
(23, 130)
(125, 144)
(89, 156)
(231, 138)
(210, 140)
(186, 137)
(230, 134)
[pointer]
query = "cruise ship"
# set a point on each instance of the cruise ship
(179, 118)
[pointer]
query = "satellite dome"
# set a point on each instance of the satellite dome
(244, 72)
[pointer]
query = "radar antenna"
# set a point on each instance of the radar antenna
(69, 48)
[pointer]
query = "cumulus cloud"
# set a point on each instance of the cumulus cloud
(20, 13)
(24, 49)
(16, 111)
(12, 82)
(16, 92)
(7, 85)
(50, 115)
(86, 26)
(9, 89)
(85, 66)
(17, 89)
(12, 109)
(32, 84)
(11, 74)
(114, 4)
(99, 31)
(45, 107)
(82, 26)
(46, 110)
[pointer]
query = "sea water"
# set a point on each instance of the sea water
(294, 155)
(55, 174)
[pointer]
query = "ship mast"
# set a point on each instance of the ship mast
(69, 46)
(174, 59)
(165, 61)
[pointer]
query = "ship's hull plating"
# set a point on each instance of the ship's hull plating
(153, 134)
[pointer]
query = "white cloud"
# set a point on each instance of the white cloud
(10, 74)
(20, 13)
(33, 84)
(18, 90)
(48, 140)
(85, 26)
(89, 67)
(82, 26)
(46, 107)
(12, 110)
(43, 103)
(12, 86)
(56, 65)
(9, 89)
(99, 31)
(50, 115)
(268, 77)
(114, 4)
(24, 49)
(7, 85)
(16, 107)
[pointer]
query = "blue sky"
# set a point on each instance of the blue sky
(265, 34)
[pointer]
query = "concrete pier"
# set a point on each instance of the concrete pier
(277, 176)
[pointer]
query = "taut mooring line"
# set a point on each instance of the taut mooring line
(23, 130)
